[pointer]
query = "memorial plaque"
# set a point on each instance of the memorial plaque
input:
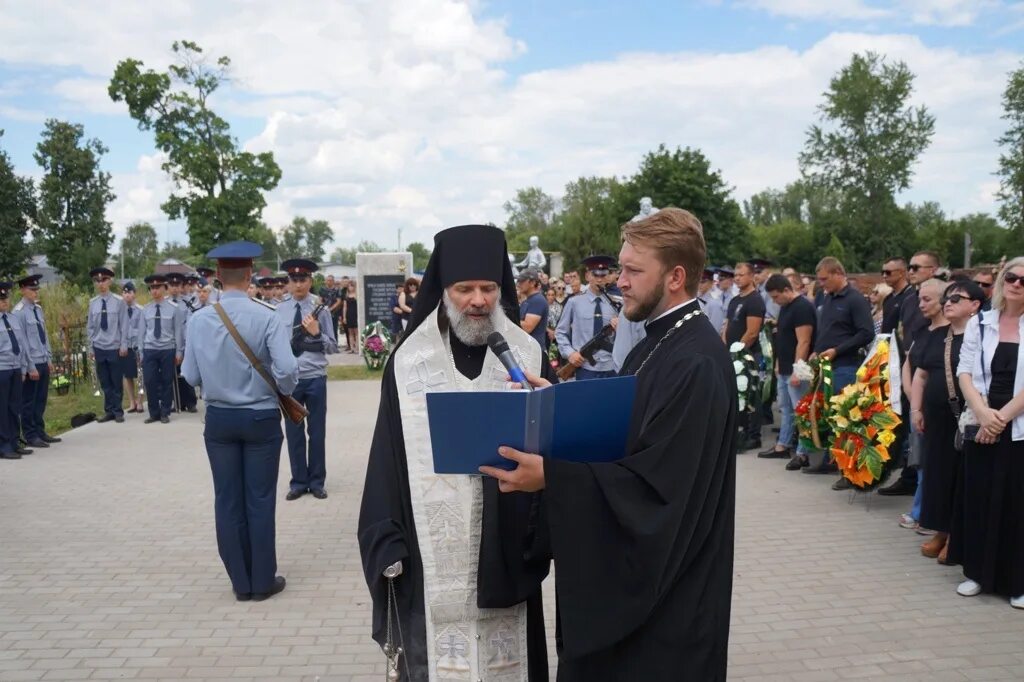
(377, 293)
(376, 277)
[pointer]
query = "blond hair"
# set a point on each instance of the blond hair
(830, 265)
(998, 300)
(677, 237)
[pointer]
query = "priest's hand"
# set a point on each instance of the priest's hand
(528, 477)
(534, 380)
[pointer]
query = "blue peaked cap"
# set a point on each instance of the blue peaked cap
(239, 250)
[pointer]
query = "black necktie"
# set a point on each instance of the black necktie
(130, 311)
(156, 323)
(598, 317)
(103, 315)
(297, 322)
(10, 332)
(39, 325)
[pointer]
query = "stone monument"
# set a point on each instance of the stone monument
(647, 208)
(535, 259)
(376, 277)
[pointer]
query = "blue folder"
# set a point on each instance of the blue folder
(579, 421)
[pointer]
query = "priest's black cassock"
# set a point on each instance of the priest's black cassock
(512, 565)
(643, 547)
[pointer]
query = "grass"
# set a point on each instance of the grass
(61, 408)
(352, 373)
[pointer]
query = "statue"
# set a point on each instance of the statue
(647, 208)
(535, 259)
(512, 264)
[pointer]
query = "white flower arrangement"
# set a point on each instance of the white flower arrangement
(802, 371)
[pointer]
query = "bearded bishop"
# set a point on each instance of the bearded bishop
(453, 567)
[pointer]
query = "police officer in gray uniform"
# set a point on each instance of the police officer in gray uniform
(37, 383)
(162, 341)
(243, 423)
(583, 316)
(14, 366)
(107, 326)
(186, 393)
(312, 338)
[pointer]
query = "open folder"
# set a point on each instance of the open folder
(579, 421)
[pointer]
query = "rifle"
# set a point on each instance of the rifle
(602, 341)
(298, 331)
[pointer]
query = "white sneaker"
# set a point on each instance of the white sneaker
(1017, 602)
(907, 521)
(969, 588)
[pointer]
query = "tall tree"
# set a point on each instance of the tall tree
(684, 178)
(17, 210)
(864, 148)
(589, 219)
(175, 250)
(73, 197)
(139, 250)
(420, 255)
(529, 213)
(1011, 161)
(306, 239)
(219, 187)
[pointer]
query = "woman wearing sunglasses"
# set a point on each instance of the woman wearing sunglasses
(931, 411)
(988, 533)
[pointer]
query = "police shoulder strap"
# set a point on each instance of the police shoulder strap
(292, 408)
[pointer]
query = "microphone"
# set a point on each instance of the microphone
(499, 346)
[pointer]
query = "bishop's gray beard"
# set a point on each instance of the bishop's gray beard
(469, 331)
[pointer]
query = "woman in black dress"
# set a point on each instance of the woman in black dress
(407, 299)
(352, 319)
(941, 462)
(991, 543)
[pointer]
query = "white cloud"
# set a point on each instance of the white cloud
(88, 94)
(817, 9)
(398, 115)
(925, 12)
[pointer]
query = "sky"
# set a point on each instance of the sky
(393, 119)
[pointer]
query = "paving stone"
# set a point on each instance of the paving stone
(114, 573)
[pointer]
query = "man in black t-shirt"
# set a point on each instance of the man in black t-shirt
(744, 318)
(794, 339)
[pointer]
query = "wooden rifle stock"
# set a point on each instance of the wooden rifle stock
(588, 351)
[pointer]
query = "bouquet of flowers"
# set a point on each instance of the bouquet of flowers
(748, 377)
(863, 421)
(377, 345)
(811, 413)
(554, 357)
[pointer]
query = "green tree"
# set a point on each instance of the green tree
(267, 238)
(219, 187)
(684, 178)
(73, 196)
(529, 213)
(990, 241)
(420, 255)
(1011, 161)
(789, 243)
(589, 220)
(306, 239)
(17, 210)
(343, 255)
(175, 250)
(139, 250)
(864, 149)
(836, 249)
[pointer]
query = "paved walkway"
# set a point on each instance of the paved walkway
(109, 570)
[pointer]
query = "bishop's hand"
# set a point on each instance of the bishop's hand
(528, 477)
(535, 381)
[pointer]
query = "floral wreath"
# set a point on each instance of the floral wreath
(377, 345)
(748, 377)
(811, 413)
(863, 421)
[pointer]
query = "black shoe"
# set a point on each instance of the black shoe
(772, 453)
(150, 420)
(9, 455)
(38, 443)
(50, 439)
(319, 494)
(243, 596)
(105, 418)
(823, 468)
(119, 418)
(191, 410)
(23, 451)
(842, 484)
(900, 487)
(278, 587)
(798, 462)
(165, 420)
(294, 494)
